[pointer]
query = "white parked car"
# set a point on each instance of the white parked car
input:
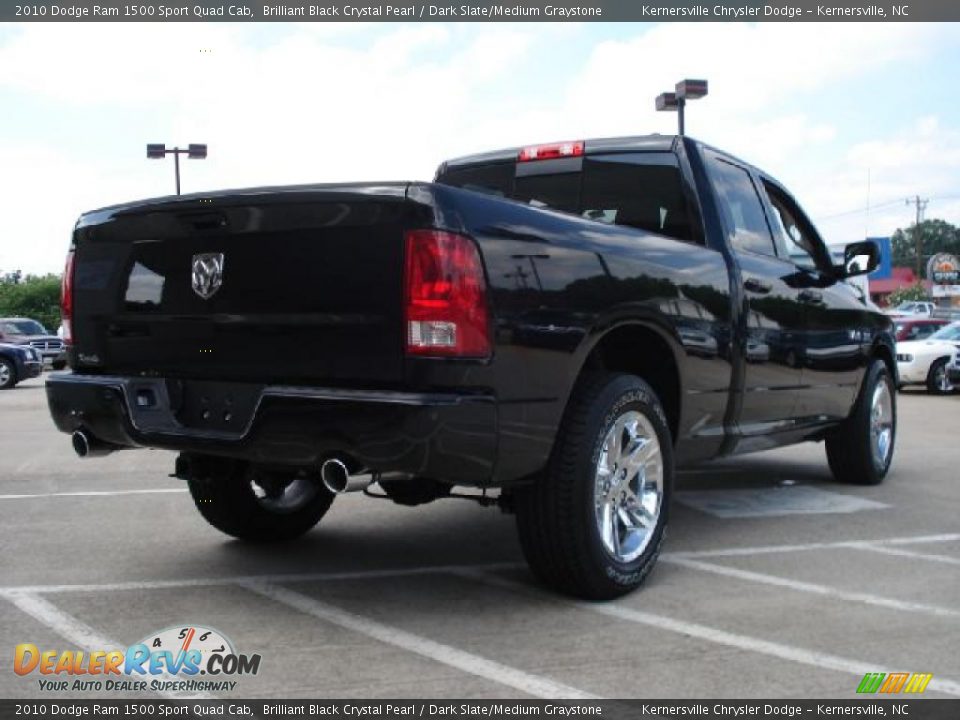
(920, 308)
(925, 362)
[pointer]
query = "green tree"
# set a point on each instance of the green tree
(906, 294)
(935, 235)
(35, 297)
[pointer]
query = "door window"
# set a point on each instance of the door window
(741, 208)
(795, 238)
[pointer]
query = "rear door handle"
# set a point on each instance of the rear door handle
(758, 286)
(810, 296)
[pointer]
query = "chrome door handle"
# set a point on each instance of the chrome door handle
(810, 296)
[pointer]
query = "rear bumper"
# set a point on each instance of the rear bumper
(445, 436)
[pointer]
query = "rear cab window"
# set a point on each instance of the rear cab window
(643, 190)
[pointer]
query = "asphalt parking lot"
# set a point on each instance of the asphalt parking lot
(765, 589)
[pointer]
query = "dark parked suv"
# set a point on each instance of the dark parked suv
(24, 331)
(18, 363)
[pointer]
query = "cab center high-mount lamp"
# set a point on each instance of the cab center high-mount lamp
(677, 100)
(157, 151)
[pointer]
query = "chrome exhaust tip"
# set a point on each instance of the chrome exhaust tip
(337, 478)
(86, 445)
(81, 443)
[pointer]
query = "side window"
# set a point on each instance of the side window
(793, 234)
(741, 207)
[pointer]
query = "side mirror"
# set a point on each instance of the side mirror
(859, 258)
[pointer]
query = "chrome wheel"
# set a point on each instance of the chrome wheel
(284, 495)
(941, 379)
(6, 374)
(881, 424)
(628, 486)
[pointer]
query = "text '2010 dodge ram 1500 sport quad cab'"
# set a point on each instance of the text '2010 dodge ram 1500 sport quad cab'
(565, 323)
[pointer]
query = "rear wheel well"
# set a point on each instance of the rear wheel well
(641, 351)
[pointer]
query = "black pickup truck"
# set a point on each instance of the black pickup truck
(564, 324)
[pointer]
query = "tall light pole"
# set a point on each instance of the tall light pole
(158, 151)
(676, 101)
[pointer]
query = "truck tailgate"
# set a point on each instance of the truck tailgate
(271, 286)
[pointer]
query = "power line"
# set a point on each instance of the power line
(845, 213)
(859, 210)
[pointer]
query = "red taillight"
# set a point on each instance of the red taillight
(66, 299)
(549, 152)
(445, 296)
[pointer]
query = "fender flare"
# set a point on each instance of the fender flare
(602, 329)
(884, 349)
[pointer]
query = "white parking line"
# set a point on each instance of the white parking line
(534, 685)
(900, 552)
(94, 493)
(855, 544)
(78, 632)
(399, 572)
(816, 589)
(61, 622)
(782, 651)
(280, 578)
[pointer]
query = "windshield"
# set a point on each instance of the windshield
(950, 332)
(909, 306)
(23, 327)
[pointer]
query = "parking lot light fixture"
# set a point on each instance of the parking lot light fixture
(667, 102)
(677, 100)
(195, 151)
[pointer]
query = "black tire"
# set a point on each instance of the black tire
(556, 515)
(224, 493)
(937, 375)
(8, 374)
(850, 446)
(60, 365)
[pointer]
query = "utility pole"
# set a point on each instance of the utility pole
(921, 205)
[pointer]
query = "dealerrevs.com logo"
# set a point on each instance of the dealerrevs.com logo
(187, 658)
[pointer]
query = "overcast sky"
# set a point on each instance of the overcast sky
(822, 107)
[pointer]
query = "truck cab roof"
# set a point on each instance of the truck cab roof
(654, 142)
(643, 143)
